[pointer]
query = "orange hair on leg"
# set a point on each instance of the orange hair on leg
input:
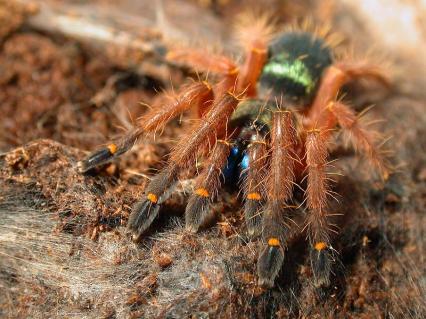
(316, 194)
(332, 81)
(207, 62)
(362, 139)
(253, 32)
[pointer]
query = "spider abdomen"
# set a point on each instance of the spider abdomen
(295, 64)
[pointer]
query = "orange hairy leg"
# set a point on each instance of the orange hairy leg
(321, 118)
(204, 61)
(198, 95)
(210, 125)
(361, 138)
(276, 230)
(184, 154)
(332, 81)
(325, 113)
(207, 185)
(316, 161)
(253, 33)
(317, 201)
(251, 70)
(283, 157)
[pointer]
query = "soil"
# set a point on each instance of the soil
(64, 247)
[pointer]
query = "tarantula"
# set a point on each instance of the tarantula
(272, 118)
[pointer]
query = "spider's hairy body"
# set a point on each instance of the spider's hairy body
(266, 125)
(295, 64)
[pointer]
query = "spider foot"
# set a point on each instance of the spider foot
(146, 210)
(197, 211)
(270, 262)
(97, 158)
(110, 152)
(321, 264)
(253, 216)
(142, 216)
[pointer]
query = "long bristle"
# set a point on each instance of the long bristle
(252, 26)
(365, 141)
(324, 31)
(197, 94)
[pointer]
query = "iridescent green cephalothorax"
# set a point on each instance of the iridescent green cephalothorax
(294, 67)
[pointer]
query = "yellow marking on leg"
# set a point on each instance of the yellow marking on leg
(254, 196)
(274, 242)
(202, 192)
(152, 198)
(320, 246)
(112, 148)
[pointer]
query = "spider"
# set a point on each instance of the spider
(271, 119)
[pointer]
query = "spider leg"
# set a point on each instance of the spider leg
(316, 195)
(332, 81)
(276, 221)
(198, 94)
(183, 155)
(157, 192)
(253, 33)
(361, 138)
(251, 70)
(322, 117)
(204, 61)
(206, 187)
(254, 184)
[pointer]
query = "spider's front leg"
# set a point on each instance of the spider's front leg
(198, 95)
(278, 226)
(184, 154)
